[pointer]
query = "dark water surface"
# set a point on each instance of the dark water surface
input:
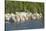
(33, 24)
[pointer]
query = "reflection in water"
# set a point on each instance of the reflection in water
(34, 24)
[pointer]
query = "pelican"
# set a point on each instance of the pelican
(13, 16)
(18, 18)
(26, 18)
(38, 16)
(41, 15)
(34, 16)
(7, 16)
(22, 19)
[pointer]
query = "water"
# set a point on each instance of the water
(33, 24)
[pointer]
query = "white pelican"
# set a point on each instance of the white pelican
(38, 16)
(33, 16)
(14, 17)
(22, 19)
(26, 18)
(7, 16)
(41, 15)
(29, 16)
(18, 18)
